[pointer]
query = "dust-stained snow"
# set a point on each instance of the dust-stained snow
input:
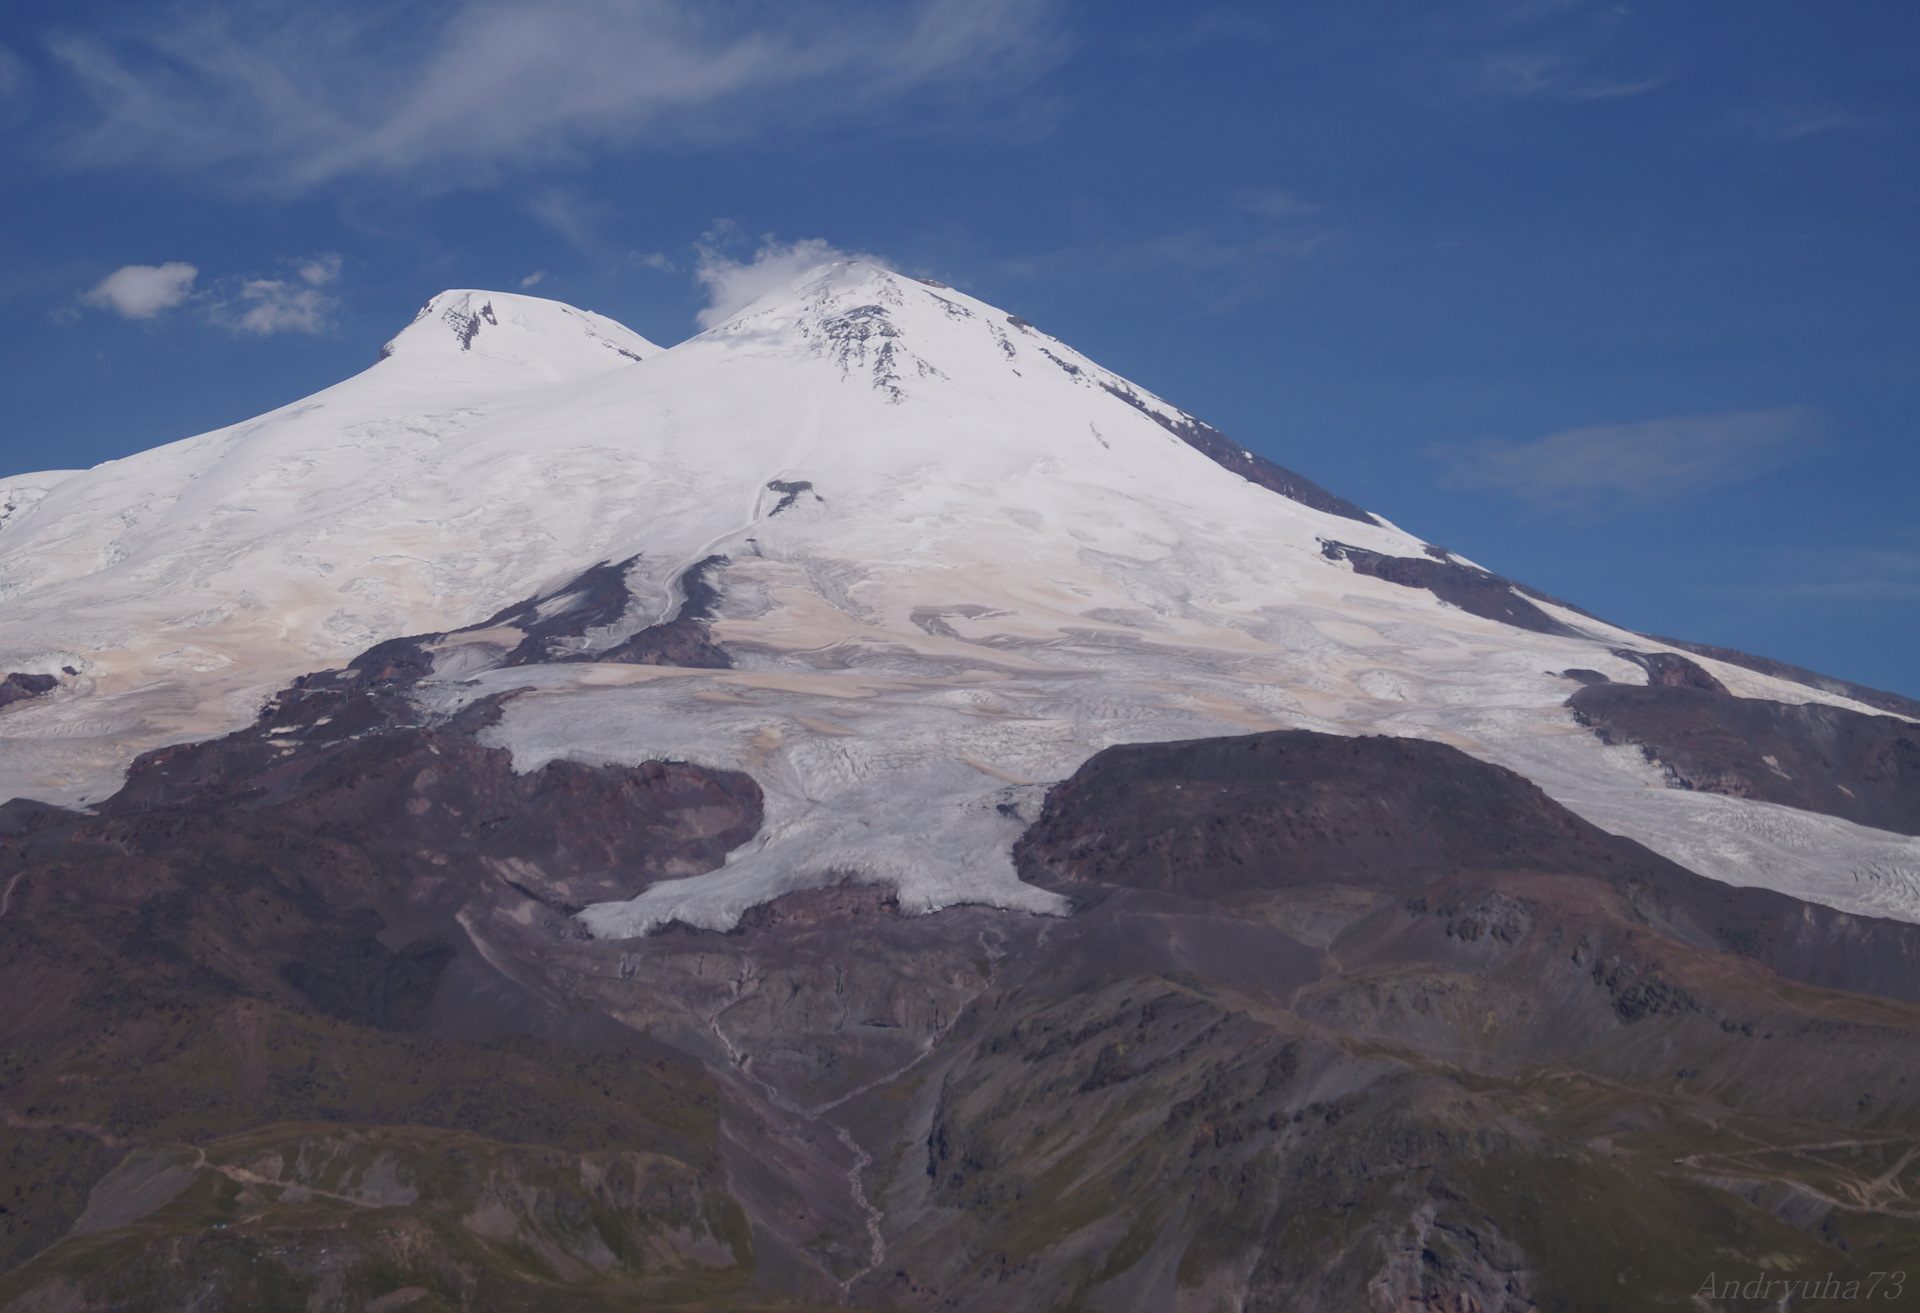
(997, 568)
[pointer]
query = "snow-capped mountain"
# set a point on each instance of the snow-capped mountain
(1148, 880)
(946, 559)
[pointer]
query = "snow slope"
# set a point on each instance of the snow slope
(960, 558)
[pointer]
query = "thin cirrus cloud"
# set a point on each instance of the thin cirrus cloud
(1615, 466)
(284, 97)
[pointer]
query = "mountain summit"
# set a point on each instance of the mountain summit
(502, 339)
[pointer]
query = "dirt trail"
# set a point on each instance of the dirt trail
(6, 895)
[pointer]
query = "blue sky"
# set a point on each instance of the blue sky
(1617, 300)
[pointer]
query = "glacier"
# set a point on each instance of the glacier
(958, 557)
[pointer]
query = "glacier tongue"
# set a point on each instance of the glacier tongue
(960, 558)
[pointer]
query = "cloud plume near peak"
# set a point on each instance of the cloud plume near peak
(268, 95)
(733, 285)
(1605, 466)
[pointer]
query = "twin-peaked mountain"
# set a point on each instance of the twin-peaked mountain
(967, 777)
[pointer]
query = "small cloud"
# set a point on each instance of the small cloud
(652, 260)
(1798, 122)
(320, 270)
(275, 305)
(533, 278)
(732, 286)
(1272, 203)
(1646, 463)
(141, 291)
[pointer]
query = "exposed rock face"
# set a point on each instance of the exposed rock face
(1872, 697)
(1671, 670)
(1224, 451)
(1241, 818)
(1816, 757)
(582, 620)
(18, 687)
(1473, 590)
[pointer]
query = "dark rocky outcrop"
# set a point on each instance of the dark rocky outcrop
(1812, 756)
(562, 626)
(1225, 452)
(1229, 819)
(1872, 697)
(1215, 817)
(1473, 590)
(681, 641)
(359, 766)
(18, 687)
(790, 490)
(1671, 670)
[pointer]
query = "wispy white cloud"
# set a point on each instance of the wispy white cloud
(1873, 575)
(1181, 31)
(142, 291)
(1549, 75)
(319, 270)
(533, 278)
(1273, 203)
(266, 306)
(258, 306)
(579, 220)
(1606, 466)
(284, 96)
(13, 75)
(1258, 241)
(733, 285)
(1860, 563)
(1797, 122)
(1544, 50)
